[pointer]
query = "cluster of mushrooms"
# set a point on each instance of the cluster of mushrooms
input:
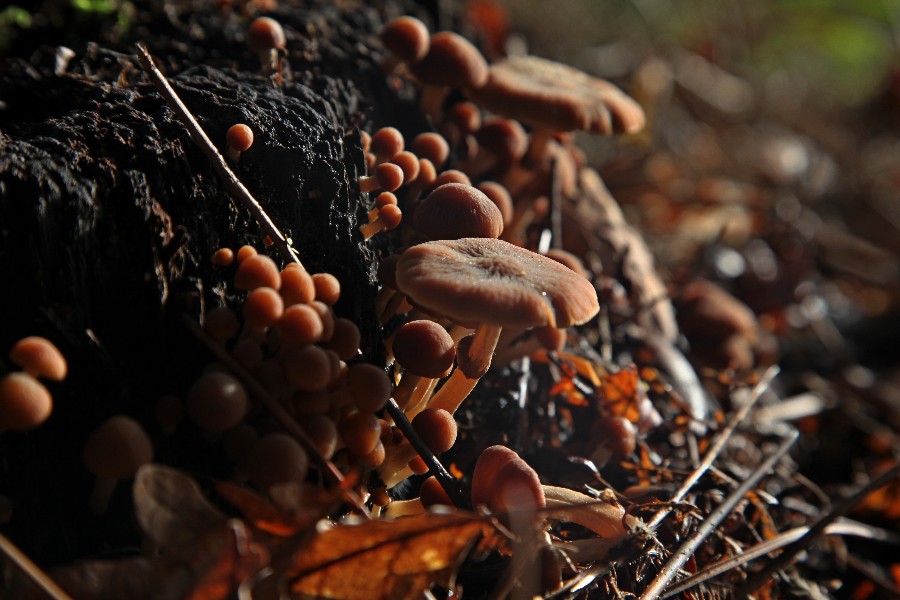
(463, 294)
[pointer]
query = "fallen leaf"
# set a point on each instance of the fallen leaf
(384, 559)
(171, 509)
(224, 560)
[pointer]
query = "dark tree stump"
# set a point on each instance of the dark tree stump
(109, 214)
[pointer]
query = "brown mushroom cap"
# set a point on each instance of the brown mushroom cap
(457, 210)
(477, 280)
(39, 357)
(452, 61)
(551, 95)
(265, 33)
(503, 481)
(117, 448)
(424, 348)
(24, 402)
(407, 37)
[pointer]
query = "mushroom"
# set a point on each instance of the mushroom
(39, 357)
(551, 96)
(457, 210)
(24, 402)
(451, 62)
(436, 427)
(217, 402)
(265, 36)
(239, 139)
(502, 481)
(115, 450)
(407, 37)
(425, 351)
(493, 284)
(388, 177)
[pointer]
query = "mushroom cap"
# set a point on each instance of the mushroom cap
(501, 480)
(424, 348)
(452, 61)
(239, 137)
(547, 94)
(118, 448)
(407, 37)
(39, 357)
(265, 33)
(24, 402)
(457, 210)
(485, 280)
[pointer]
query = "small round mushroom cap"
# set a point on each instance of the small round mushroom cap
(503, 481)
(276, 458)
(504, 138)
(407, 37)
(265, 33)
(118, 448)
(39, 357)
(546, 94)
(437, 428)
(499, 195)
(24, 402)
(369, 386)
(424, 348)
(484, 280)
(432, 146)
(239, 137)
(386, 143)
(457, 210)
(217, 402)
(452, 61)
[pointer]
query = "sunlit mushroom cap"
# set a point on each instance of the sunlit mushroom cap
(453, 61)
(478, 280)
(543, 93)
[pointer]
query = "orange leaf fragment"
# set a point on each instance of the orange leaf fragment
(384, 559)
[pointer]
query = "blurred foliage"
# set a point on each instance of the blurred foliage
(831, 50)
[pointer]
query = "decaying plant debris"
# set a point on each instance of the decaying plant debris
(724, 427)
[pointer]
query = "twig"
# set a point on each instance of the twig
(717, 446)
(233, 185)
(328, 469)
(755, 581)
(41, 579)
(769, 546)
(447, 481)
(709, 524)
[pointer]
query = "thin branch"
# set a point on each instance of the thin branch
(447, 481)
(755, 581)
(771, 545)
(712, 521)
(717, 446)
(328, 469)
(41, 579)
(232, 184)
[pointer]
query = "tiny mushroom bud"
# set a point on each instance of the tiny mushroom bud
(239, 138)
(388, 177)
(408, 163)
(502, 481)
(115, 450)
(223, 257)
(265, 36)
(217, 402)
(389, 217)
(407, 37)
(297, 286)
(452, 61)
(257, 271)
(432, 146)
(499, 196)
(369, 387)
(39, 357)
(386, 143)
(24, 402)
(328, 289)
(276, 458)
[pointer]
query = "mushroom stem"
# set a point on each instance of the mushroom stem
(482, 348)
(103, 490)
(603, 518)
(409, 383)
(454, 391)
(419, 398)
(403, 508)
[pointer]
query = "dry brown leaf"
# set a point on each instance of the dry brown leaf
(171, 509)
(384, 559)
(225, 561)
